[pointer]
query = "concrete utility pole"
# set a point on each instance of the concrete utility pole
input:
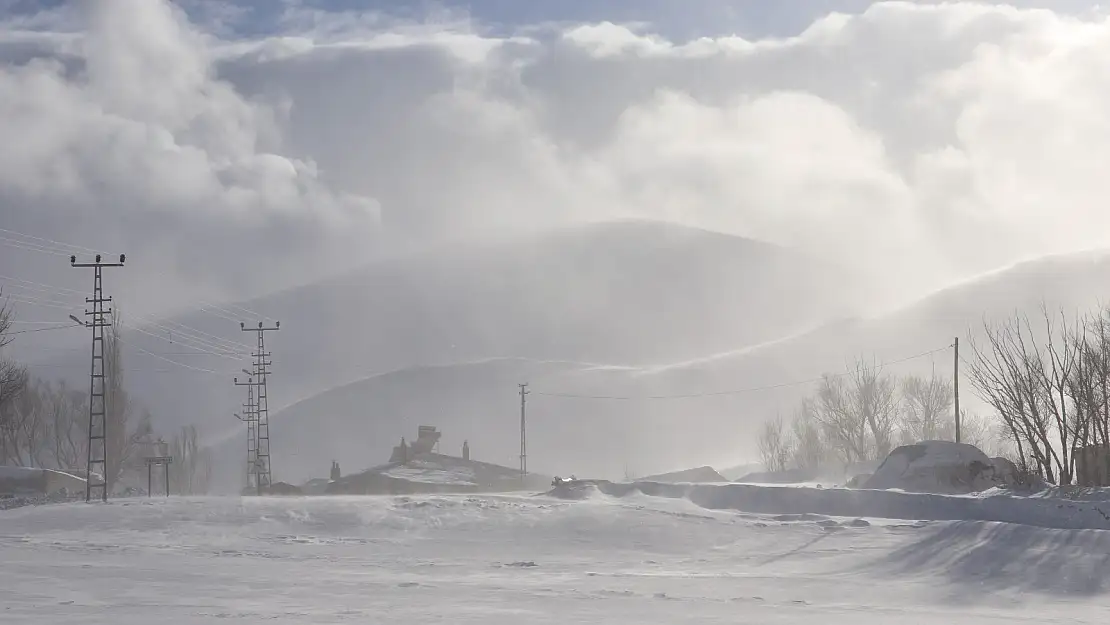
(523, 433)
(261, 406)
(98, 425)
(956, 384)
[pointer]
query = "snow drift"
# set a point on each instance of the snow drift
(29, 480)
(941, 467)
(698, 475)
(995, 506)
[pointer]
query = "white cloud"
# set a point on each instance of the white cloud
(127, 140)
(927, 140)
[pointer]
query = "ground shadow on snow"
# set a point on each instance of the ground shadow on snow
(981, 557)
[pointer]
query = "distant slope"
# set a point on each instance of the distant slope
(626, 292)
(437, 473)
(358, 423)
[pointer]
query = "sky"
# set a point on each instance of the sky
(232, 148)
(241, 147)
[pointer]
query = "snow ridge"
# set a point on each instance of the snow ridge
(993, 506)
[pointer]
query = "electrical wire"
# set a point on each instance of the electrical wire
(228, 312)
(47, 329)
(213, 342)
(57, 244)
(174, 362)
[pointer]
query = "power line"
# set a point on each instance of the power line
(48, 365)
(174, 362)
(736, 391)
(172, 326)
(35, 302)
(33, 323)
(38, 287)
(71, 246)
(58, 248)
(32, 247)
(55, 294)
(46, 329)
(192, 343)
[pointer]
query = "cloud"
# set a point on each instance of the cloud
(123, 138)
(882, 138)
(924, 142)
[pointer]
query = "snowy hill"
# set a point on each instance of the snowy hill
(477, 400)
(436, 473)
(627, 292)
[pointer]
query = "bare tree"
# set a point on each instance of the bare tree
(858, 412)
(774, 448)
(843, 428)
(192, 467)
(1032, 381)
(975, 430)
(24, 435)
(13, 382)
(126, 432)
(1089, 381)
(810, 450)
(67, 414)
(927, 404)
(876, 401)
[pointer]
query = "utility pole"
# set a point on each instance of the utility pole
(956, 384)
(261, 404)
(523, 433)
(98, 423)
(250, 416)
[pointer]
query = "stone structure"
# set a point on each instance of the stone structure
(466, 450)
(335, 474)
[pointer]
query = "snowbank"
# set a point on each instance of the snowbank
(941, 467)
(829, 474)
(28, 480)
(997, 506)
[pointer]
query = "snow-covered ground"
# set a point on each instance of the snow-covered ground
(432, 473)
(541, 559)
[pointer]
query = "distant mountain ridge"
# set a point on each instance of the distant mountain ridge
(586, 434)
(630, 292)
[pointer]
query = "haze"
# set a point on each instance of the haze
(604, 199)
